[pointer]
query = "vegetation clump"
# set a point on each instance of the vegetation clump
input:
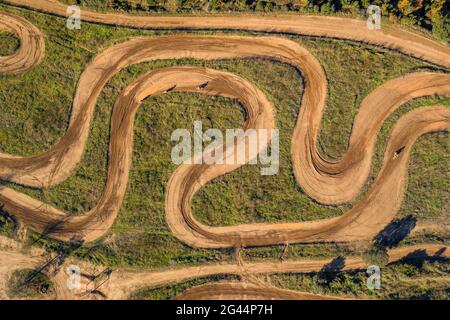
(28, 283)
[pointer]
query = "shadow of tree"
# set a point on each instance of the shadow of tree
(330, 270)
(418, 257)
(394, 232)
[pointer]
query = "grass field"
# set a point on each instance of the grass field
(35, 109)
(8, 44)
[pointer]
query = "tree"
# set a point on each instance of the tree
(440, 23)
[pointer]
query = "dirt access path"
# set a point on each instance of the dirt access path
(330, 27)
(122, 283)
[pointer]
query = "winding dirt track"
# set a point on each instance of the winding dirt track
(359, 223)
(325, 181)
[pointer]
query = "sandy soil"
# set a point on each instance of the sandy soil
(246, 291)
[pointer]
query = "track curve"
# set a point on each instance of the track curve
(32, 44)
(96, 222)
(246, 291)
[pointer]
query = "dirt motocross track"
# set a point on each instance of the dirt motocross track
(327, 182)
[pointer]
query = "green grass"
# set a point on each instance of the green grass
(8, 44)
(35, 109)
(304, 251)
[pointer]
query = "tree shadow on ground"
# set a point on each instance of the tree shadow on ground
(330, 271)
(418, 257)
(394, 233)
